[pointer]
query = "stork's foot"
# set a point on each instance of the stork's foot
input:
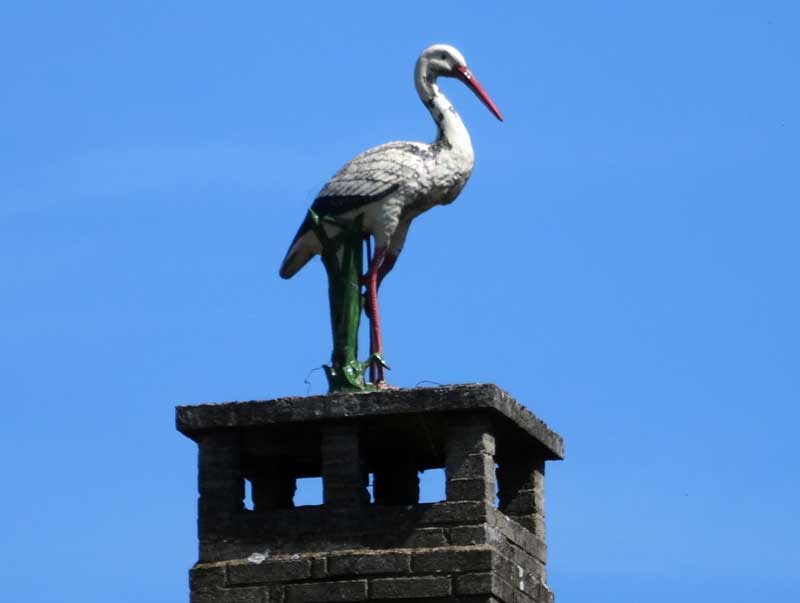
(378, 360)
(376, 367)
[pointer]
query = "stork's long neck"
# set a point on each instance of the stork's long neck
(451, 130)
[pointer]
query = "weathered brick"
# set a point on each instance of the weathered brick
(206, 577)
(475, 584)
(427, 538)
(327, 592)
(219, 478)
(196, 420)
(515, 574)
(344, 478)
(214, 521)
(271, 570)
(452, 559)
(524, 538)
(477, 466)
(369, 563)
(472, 465)
(533, 523)
(469, 463)
(406, 588)
(319, 567)
(346, 495)
(460, 512)
(507, 592)
(276, 594)
(471, 433)
(525, 502)
(470, 489)
(468, 535)
(521, 557)
(231, 595)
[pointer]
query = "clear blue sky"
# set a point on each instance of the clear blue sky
(624, 261)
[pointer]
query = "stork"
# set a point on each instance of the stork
(389, 185)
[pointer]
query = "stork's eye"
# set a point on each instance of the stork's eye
(444, 57)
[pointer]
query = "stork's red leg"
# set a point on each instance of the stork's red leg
(386, 266)
(376, 342)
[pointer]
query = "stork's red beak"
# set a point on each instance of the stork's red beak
(465, 75)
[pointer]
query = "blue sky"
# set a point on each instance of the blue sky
(623, 261)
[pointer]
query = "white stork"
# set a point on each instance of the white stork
(391, 184)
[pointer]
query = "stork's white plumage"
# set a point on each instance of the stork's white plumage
(391, 184)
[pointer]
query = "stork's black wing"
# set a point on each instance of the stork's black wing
(367, 178)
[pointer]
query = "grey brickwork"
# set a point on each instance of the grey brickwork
(469, 547)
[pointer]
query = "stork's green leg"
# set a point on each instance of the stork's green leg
(342, 258)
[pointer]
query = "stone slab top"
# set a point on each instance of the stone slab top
(193, 420)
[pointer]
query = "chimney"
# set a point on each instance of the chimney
(484, 543)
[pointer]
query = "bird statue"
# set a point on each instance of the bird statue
(384, 188)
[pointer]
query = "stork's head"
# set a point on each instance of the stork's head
(442, 60)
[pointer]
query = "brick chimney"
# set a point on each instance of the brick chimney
(469, 547)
